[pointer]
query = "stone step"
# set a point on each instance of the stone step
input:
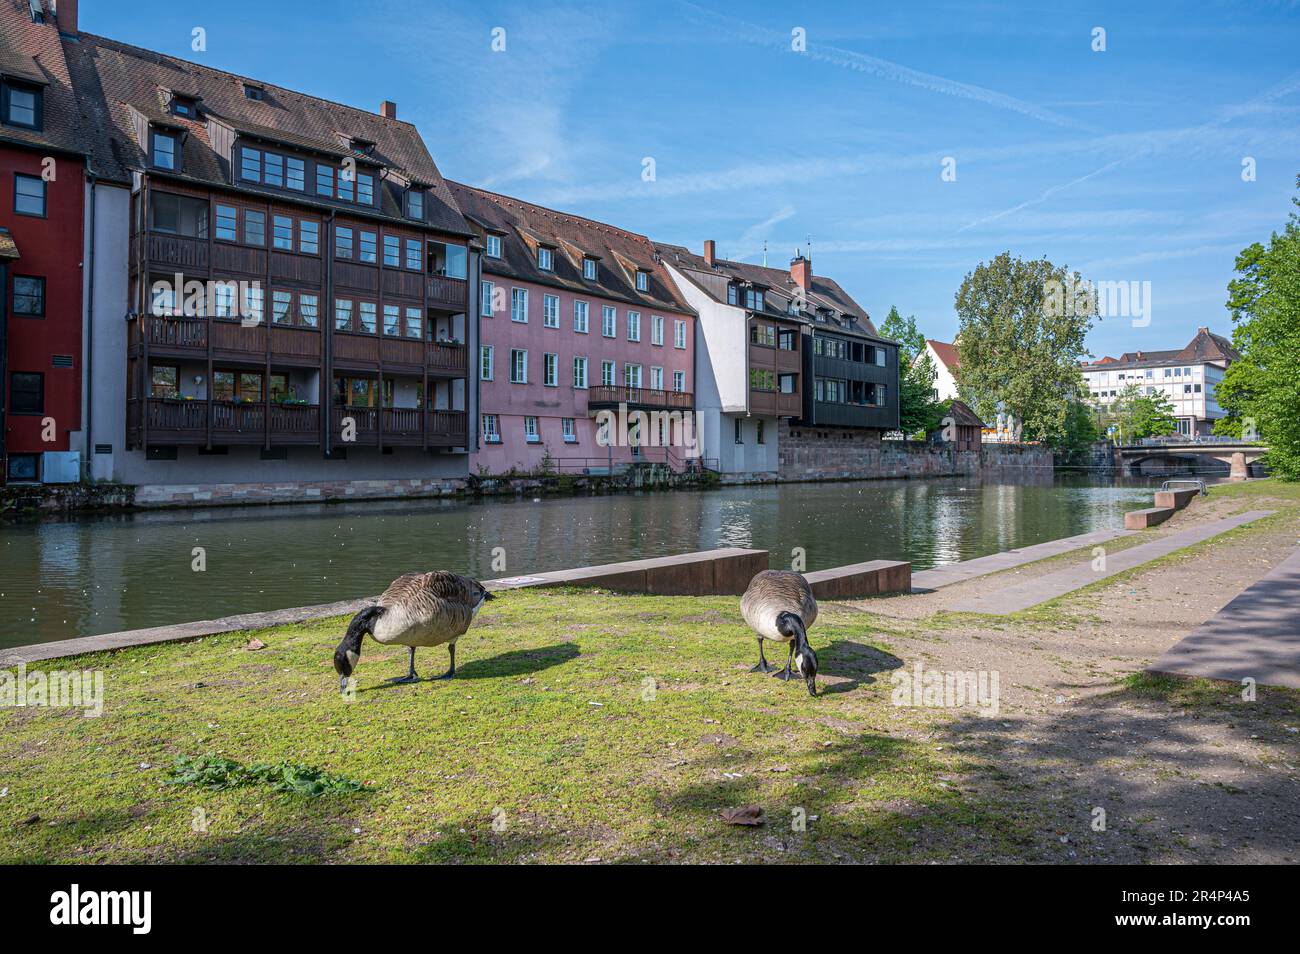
(722, 572)
(1177, 499)
(1150, 517)
(861, 579)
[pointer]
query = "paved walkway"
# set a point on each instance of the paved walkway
(1255, 636)
(1001, 600)
(957, 572)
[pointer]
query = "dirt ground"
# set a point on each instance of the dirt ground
(1184, 771)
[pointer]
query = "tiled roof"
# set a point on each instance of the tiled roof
(121, 87)
(963, 416)
(947, 353)
(1204, 348)
(8, 247)
(32, 52)
(524, 226)
(848, 317)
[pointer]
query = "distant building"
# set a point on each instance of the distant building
(946, 362)
(1187, 377)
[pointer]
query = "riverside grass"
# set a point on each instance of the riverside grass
(581, 726)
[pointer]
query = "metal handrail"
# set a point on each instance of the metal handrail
(1200, 484)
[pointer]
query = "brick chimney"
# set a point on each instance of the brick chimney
(710, 252)
(388, 109)
(801, 272)
(65, 15)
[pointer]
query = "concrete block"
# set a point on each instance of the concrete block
(1143, 519)
(1177, 499)
(858, 580)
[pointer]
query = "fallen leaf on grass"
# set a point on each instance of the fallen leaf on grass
(750, 815)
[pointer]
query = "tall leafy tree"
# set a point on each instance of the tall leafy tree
(1139, 415)
(918, 411)
(1261, 392)
(1016, 351)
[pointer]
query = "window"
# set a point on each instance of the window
(344, 183)
(609, 321)
(580, 373)
(365, 189)
(223, 300)
(881, 357)
(29, 296)
(679, 333)
(343, 314)
(758, 429)
(634, 326)
(656, 379)
(282, 307)
(295, 174)
(518, 366)
(282, 232)
(308, 237)
(250, 165)
(530, 430)
(29, 195)
(642, 281)
(753, 299)
(307, 307)
(551, 311)
(657, 329)
(544, 259)
(788, 340)
(761, 334)
(392, 321)
(679, 381)
(762, 379)
(253, 304)
(519, 305)
(415, 204)
(324, 180)
(254, 92)
(580, 317)
(494, 246)
(414, 257)
(786, 383)
(342, 242)
(607, 373)
(21, 105)
(392, 251)
(740, 434)
(368, 247)
(550, 370)
(164, 381)
(485, 292)
(569, 428)
(26, 468)
(414, 323)
(590, 268)
(366, 316)
(632, 375)
(26, 393)
(733, 299)
(178, 215)
(486, 362)
(491, 429)
(162, 150)
(254, 227)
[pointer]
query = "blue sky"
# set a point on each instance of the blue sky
(1124, 164)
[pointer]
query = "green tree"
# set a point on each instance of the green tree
(918, 411)
(1261, 392)
(1139, 415)
(1079, 432)
(1016, 350)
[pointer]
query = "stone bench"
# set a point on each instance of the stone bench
(1175, 499)
(861, 579)
(722, 572)
(1142, 519)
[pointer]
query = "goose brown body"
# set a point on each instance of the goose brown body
(771, 593)
(427, 609)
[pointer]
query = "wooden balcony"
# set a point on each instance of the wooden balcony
(446, 293)
(776, 359)
(449, 360)
(402, 427)
(606, 396)
(775, 403)
(190, 422)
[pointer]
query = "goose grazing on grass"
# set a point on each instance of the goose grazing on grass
(779, 605)
(417, 609)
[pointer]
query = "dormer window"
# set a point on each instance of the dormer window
(254, 92)
(733, 295)
(545, 259)
(642, 281)
(753, 299)
(21, 105)
(185, 106)
(164, 152)
(494, 246)
(415, 204)
(590, 269)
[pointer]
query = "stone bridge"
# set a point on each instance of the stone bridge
(1158, 457)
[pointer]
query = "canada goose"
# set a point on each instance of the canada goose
(417, 609)
(779, 605)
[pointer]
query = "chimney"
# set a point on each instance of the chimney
(1202, 331)
(801, 272)
(388, 109)
(710, 252)
(65, 15)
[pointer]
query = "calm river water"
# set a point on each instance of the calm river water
(93, 575)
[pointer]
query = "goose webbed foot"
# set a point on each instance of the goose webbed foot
(785, 675)
(450, 673)
(410, 676)
(763, 665)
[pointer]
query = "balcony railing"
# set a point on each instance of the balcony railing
(402, 426)
(606, 395)
(189, 422)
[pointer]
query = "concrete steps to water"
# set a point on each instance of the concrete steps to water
(1144, 519)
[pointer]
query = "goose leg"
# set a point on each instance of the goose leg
(785, 675)
(410, 676)
(763, 664)
(451, 649)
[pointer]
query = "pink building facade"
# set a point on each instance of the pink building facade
(576, 318)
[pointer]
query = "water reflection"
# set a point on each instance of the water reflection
(101, 574)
